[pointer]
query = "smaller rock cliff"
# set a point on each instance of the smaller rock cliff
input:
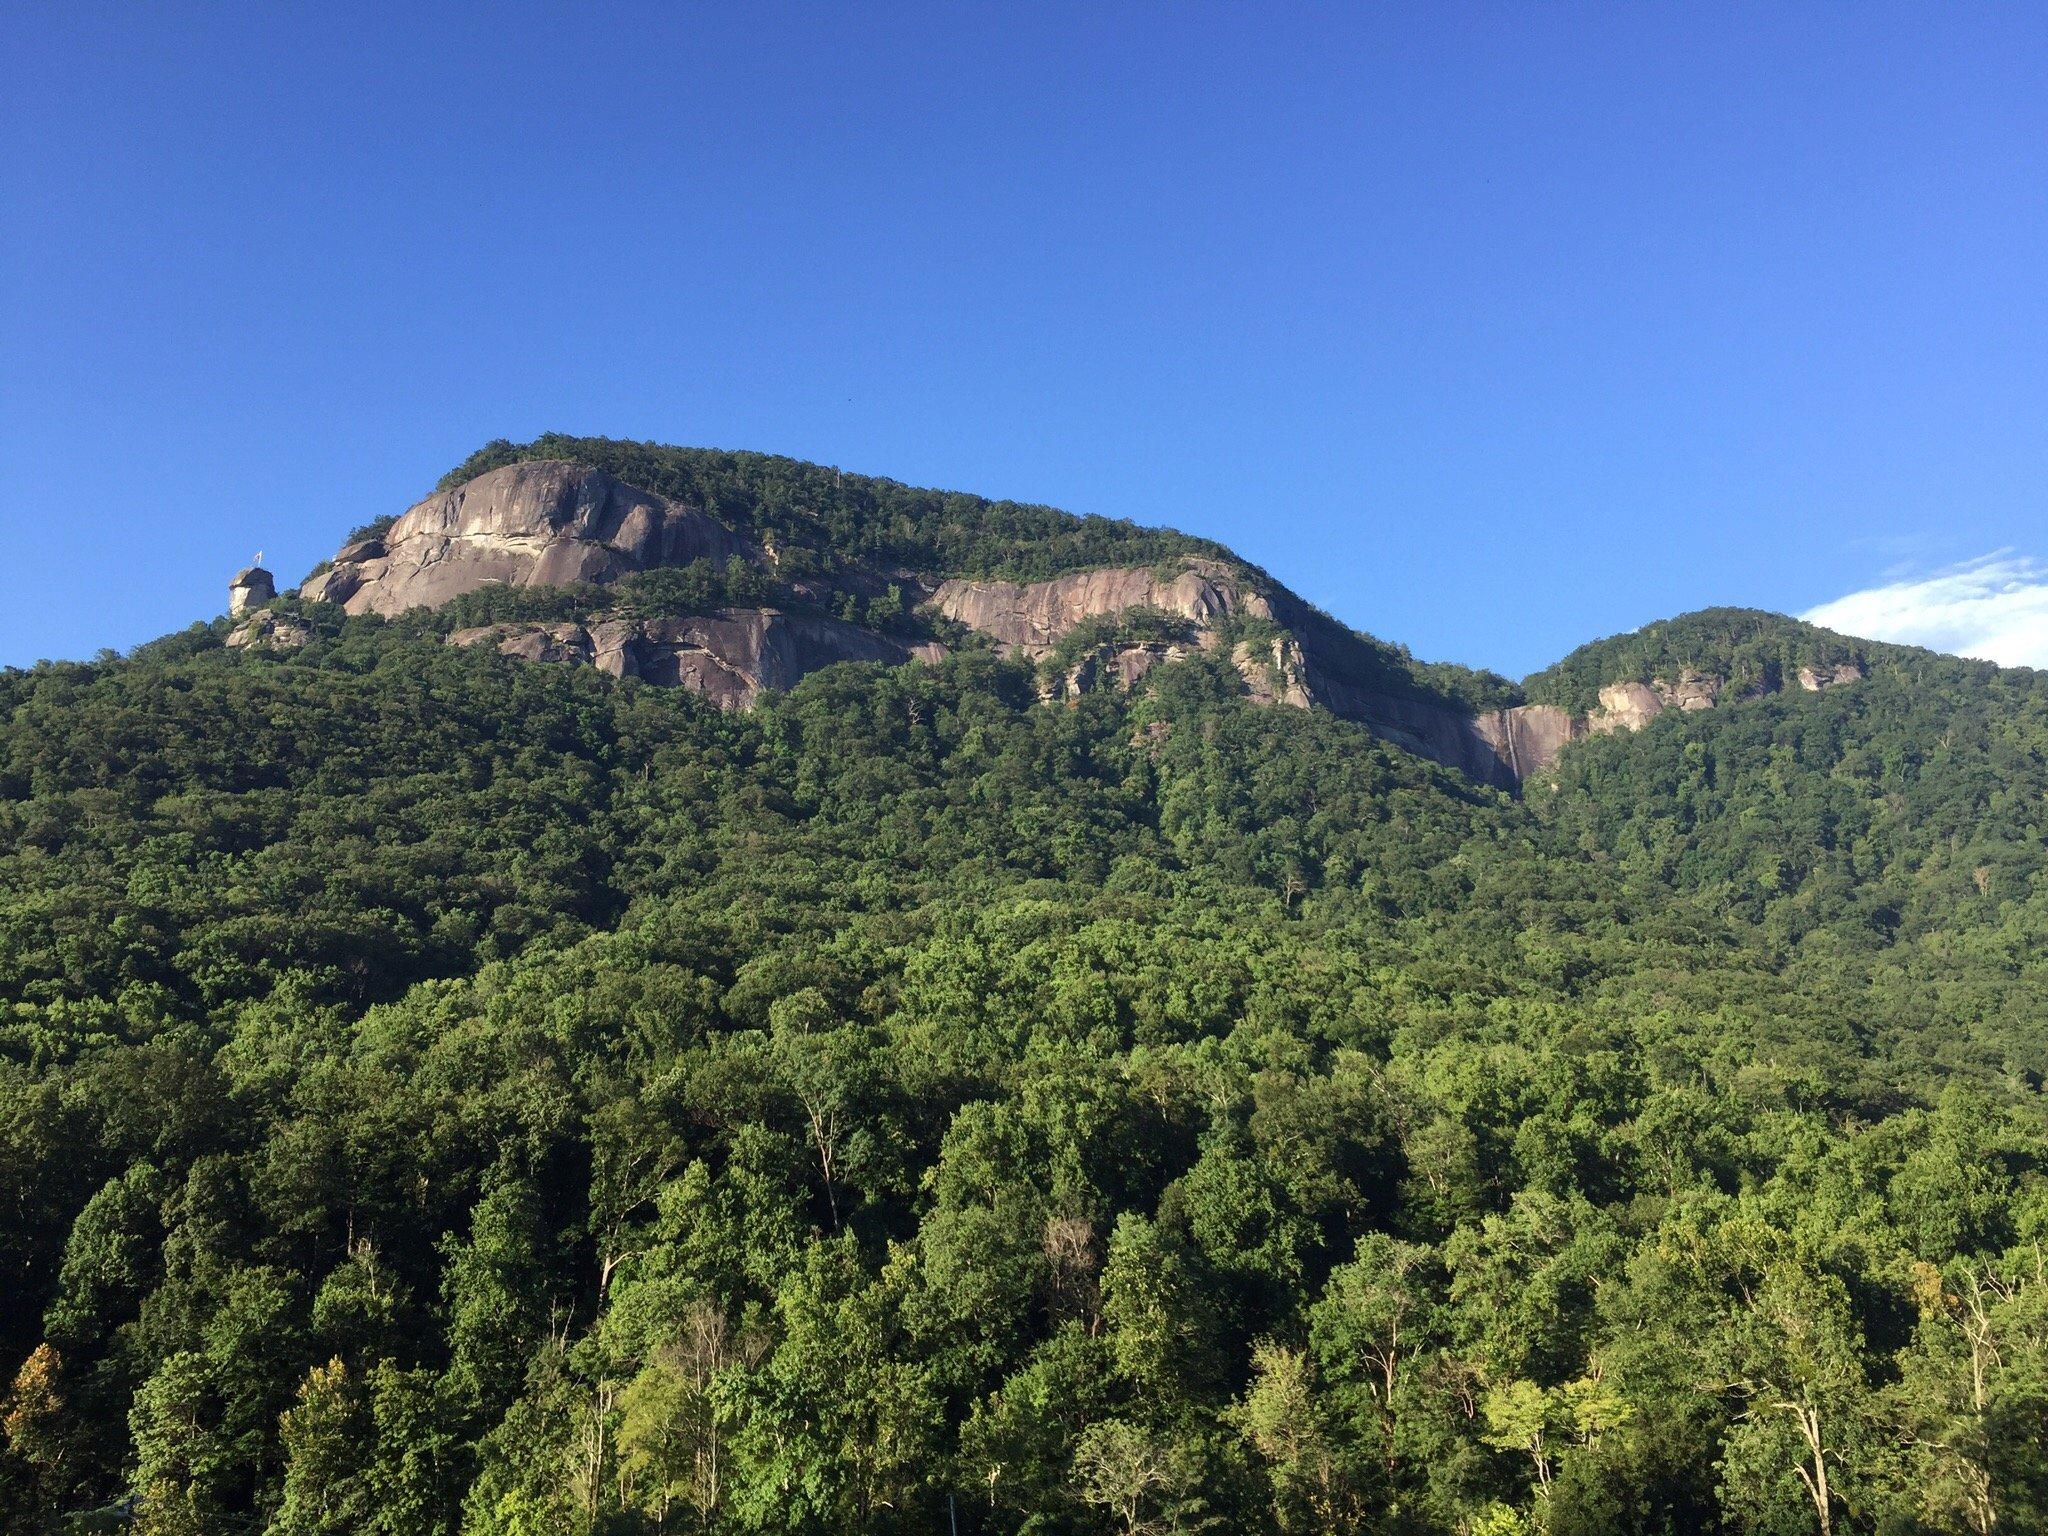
(1525, 739)
(1031, 618)
(266, 630)
(1816, 679)
(1624, 707)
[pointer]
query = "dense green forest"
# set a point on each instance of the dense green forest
(440, 1093)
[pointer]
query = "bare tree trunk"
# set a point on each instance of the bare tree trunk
(1816, 1479)
(823, 1135)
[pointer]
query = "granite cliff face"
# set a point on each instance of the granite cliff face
(1031, 618)
(543, 523)
(1525, 739)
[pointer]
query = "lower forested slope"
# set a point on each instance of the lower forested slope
(442, 1093)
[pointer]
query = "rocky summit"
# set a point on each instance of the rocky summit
(535, 524)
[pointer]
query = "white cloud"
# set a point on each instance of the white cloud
(1994, 608)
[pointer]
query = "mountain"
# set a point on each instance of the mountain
(834, 555)
(808, 573)
(669, 991)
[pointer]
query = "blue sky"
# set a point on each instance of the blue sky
(1492, 329)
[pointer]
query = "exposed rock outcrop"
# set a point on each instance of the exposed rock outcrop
(1525, 739)
(1815, 679)
(252, 587)
(532, 642)
(1625, 707)
(1629, 706)
(1693, 690)
(1030, 618)
(542, 523)
(730, 657)
(268, 631)
(1114, 666)
(1274, 672)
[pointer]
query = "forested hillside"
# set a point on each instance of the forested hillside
(1747, 652)
(443, 1093)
